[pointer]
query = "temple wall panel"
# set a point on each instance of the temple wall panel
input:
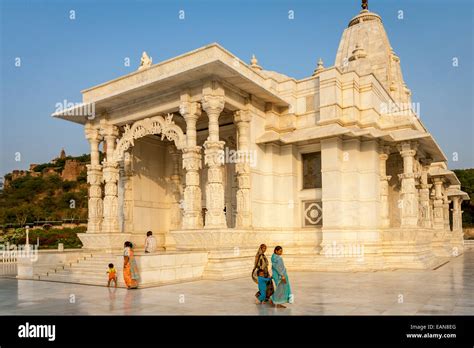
(350, 190)
(273, 182)
(151, 208)
(369, 177)
(331, 164)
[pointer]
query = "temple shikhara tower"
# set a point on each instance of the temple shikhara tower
(217, 156)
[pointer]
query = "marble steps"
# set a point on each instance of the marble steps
(81, 279)
(155, 270)
(78, 276)
(88, 269)
(96, 263)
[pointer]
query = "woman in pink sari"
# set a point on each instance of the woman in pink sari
(130, 269)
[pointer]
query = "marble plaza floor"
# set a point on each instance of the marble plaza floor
(446, 291)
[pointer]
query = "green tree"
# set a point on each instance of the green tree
(466, 177)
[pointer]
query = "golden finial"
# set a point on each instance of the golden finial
(254, 63)
(320, 67)
(365, 5)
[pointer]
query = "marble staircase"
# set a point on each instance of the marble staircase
(155, 269)
(89, 269)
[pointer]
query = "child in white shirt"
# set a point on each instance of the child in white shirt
(150, 242)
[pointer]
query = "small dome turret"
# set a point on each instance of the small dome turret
(365, 49)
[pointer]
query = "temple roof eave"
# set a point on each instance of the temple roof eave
(458, 193)
(436, 171)
(79, 113)
(429, 146)
(208, 62)
(455, 191)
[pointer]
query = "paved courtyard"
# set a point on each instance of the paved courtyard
(445, 291)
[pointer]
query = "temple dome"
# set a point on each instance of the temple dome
(365, 48)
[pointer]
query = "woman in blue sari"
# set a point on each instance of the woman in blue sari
(282, 292)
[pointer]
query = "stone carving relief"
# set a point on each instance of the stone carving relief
(145, 61)
(313, 213)
(149, 126)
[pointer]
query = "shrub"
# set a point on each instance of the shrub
(48, 239)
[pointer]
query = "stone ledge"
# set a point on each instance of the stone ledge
(108, 242)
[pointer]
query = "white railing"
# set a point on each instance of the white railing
(8, 269)
(8, 256)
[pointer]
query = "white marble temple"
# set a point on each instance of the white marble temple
(216, 155)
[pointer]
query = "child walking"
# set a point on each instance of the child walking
(112, 275)
(262, 286)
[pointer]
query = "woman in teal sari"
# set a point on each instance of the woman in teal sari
(282, 292)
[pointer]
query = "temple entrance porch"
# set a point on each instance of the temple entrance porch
(169, 172)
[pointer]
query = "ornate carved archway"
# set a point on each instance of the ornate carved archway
(149, 126)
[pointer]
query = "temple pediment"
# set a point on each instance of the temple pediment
(208, 62)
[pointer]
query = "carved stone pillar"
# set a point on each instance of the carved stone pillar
(242, 168)
(408, 193)
(446, 202)
(214, 159)
(425, 206)
(126, 177)
(94, 179)
(384, 179)
(175, 186)
(191, 112)
(457, 214)
(192, 218)
(438, 214)
(110, 223)
(110, 133)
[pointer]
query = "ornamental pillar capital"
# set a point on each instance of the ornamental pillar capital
(191, 111)
(192, 158)
(107, 129)
(241, 116)
(110, 172)
(407, 148)
(92, 132)
(213, 104)
(214, 153)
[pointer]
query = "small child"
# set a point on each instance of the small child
(262, 286)
(112, 274)
(150, 242)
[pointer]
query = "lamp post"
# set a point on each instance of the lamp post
(27, 238)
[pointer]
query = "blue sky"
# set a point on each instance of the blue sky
(60, 57)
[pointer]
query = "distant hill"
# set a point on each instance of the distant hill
(52, 191)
